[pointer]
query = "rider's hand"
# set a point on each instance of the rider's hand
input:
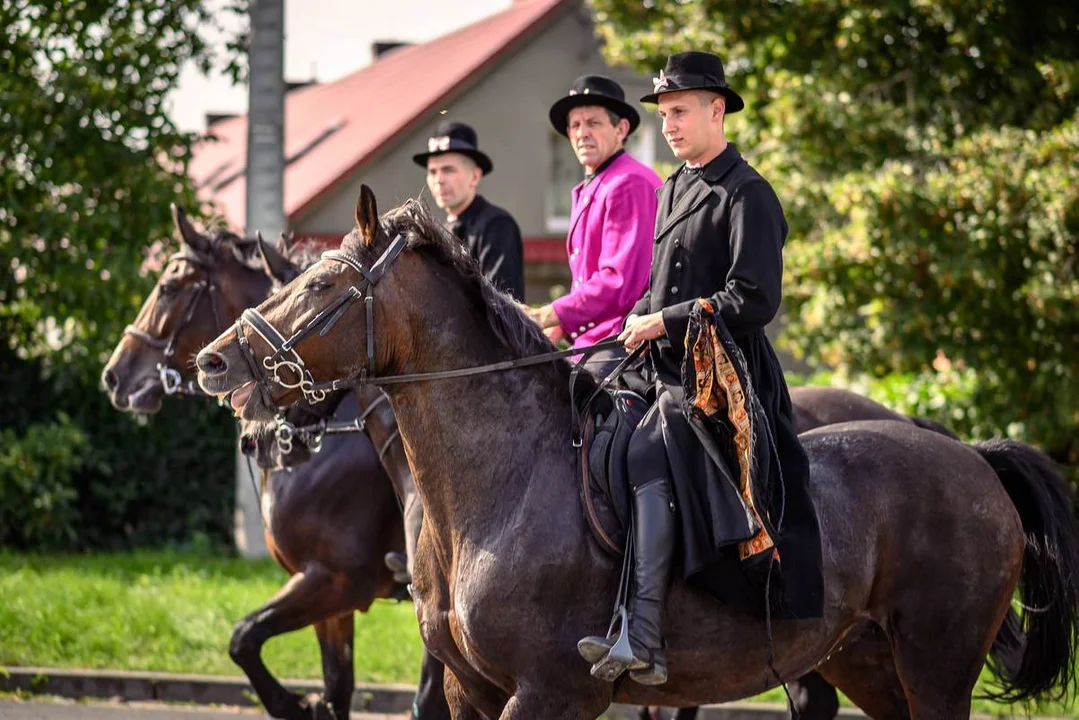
(543, 316)
(555, 334)
(641, 328)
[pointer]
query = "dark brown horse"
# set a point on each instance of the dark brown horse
(259, 441)
(923, 537)
(328, 533)
(813, 697)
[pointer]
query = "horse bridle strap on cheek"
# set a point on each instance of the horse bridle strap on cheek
(172, 382)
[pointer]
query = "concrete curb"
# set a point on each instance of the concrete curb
(172, 687)
(216, 690)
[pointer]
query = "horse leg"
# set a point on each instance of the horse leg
(308, 597)
(335, 638)
(940, 644)
(864, 670)
(556, 702)
(461, 708)
(812, 698)
(430, 701)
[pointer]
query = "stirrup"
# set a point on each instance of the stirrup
(619, 658)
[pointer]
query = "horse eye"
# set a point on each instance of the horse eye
(316, 285)
(169, 288)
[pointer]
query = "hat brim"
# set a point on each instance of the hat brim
(482, 161)
(734, 100)
(559, 114)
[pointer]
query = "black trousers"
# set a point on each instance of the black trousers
(647, 455)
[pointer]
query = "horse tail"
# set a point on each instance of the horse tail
(1042, 662)
(933, 425)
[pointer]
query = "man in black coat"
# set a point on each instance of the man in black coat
(719, 236)
(455, 166)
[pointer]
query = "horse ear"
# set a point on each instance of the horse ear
(191, 237)
(286, 240)
(367, 215)
(277, 266)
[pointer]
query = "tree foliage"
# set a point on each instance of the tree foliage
(89, 164)
(925, 154)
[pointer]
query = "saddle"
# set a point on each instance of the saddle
(602, 466)
(603, 424)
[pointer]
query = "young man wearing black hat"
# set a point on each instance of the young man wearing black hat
(455, 166)
(719, 238)
(611, 221)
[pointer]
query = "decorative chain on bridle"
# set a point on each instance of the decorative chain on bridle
(311, 435)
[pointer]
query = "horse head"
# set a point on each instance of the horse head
(205, 284)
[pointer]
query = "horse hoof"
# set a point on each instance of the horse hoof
(315, 708)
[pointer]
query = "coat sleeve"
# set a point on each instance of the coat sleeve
(501, 255)
(629, 218)
(751, 296)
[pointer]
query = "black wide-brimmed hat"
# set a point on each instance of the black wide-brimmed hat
(454, 137)
(593, 90)
(694, 71)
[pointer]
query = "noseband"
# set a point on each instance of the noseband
(172, 382)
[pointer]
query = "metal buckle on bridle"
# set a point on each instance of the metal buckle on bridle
(284, 433)
(171, 382)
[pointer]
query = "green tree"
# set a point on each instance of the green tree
(89, 164)
(925, 153)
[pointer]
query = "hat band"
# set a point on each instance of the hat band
(448, 144)
(677, 81)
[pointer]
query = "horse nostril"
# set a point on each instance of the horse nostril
(211, 362)
(247, 445)
(111, 381)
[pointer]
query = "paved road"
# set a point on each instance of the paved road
(62, 710)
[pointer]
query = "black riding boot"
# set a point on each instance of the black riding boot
(653, 542)
(402, 565)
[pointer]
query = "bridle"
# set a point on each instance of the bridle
(286, 358)
(312, 435)
(172, 383)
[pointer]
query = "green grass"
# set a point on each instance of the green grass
(174, 612)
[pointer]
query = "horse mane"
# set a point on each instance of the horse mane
(424, 234)
(302, 256)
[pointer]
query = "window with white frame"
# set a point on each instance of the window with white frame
(566, 171)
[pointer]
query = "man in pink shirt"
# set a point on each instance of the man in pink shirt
(612, 221)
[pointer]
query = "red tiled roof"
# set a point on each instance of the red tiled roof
(332, 129)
